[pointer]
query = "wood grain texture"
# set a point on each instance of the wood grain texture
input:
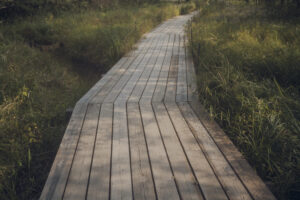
(140, 85)
(245, 172)
(143, 186)
(121, 186)
(78, 178)
(256, 187)
(170, 95)
(204, 174)
(162, 173)
(161, 84)
(191, 78)
(57, 178)
(100, 170)
(152, 81)
(140, 133)
(188, 187)
(127, 90)
(182, 93)
(231, 183)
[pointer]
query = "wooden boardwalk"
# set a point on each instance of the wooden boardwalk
(140, 133)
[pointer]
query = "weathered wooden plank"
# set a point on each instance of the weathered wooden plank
(164, 26)
(151, 84)
(98, 86)
(170, 95)
(135, 66)
(191, 77)
(138, 156)
(78, 179)
(121, 186)
(114, 77)
(162, 174)
(126, 91)
(101, 165)
(177, 25)
(54, 187)
(186, 182)
(143, 186)
(107, 88)
(181, 94)
(140, 49)
(231, 183)
(211, 188)
(140, 85)
(141, 45)
(57, 179)
(112, 95)
(251, 180)
(160, 89)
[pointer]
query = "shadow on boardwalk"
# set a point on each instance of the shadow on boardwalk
(136, 134)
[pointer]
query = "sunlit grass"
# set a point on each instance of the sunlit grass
(248, 66)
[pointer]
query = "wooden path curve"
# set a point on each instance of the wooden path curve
(140, 133)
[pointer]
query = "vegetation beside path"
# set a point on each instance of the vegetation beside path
(47, 62)
(247, 59)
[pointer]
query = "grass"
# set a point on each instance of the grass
(47, 62)
(248, 68)
(188, 7)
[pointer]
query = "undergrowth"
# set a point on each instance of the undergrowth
(248, 68)
(189, 7)
(47, 62)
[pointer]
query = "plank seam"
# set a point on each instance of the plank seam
(210, 162)
(150, 73)
(186, 70)
(129, 150)
(110, 87)
(233, 169)
(111, 149)
(129, 77)
(177, 68)
(165, 52)
(134, 54)
(172, 55)
(161, 137)
(204, 152)
(132, 73)
(88, 182)
(172, 45)
(184, 151)
(195, 99)
(65, 187)
(141, 76)
(180, 97)
(149, 160)
(148, 50)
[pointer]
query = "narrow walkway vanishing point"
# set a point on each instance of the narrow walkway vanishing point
(140, 133)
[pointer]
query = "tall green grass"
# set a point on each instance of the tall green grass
(91, 37)
(47, 62)
(248, 68)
